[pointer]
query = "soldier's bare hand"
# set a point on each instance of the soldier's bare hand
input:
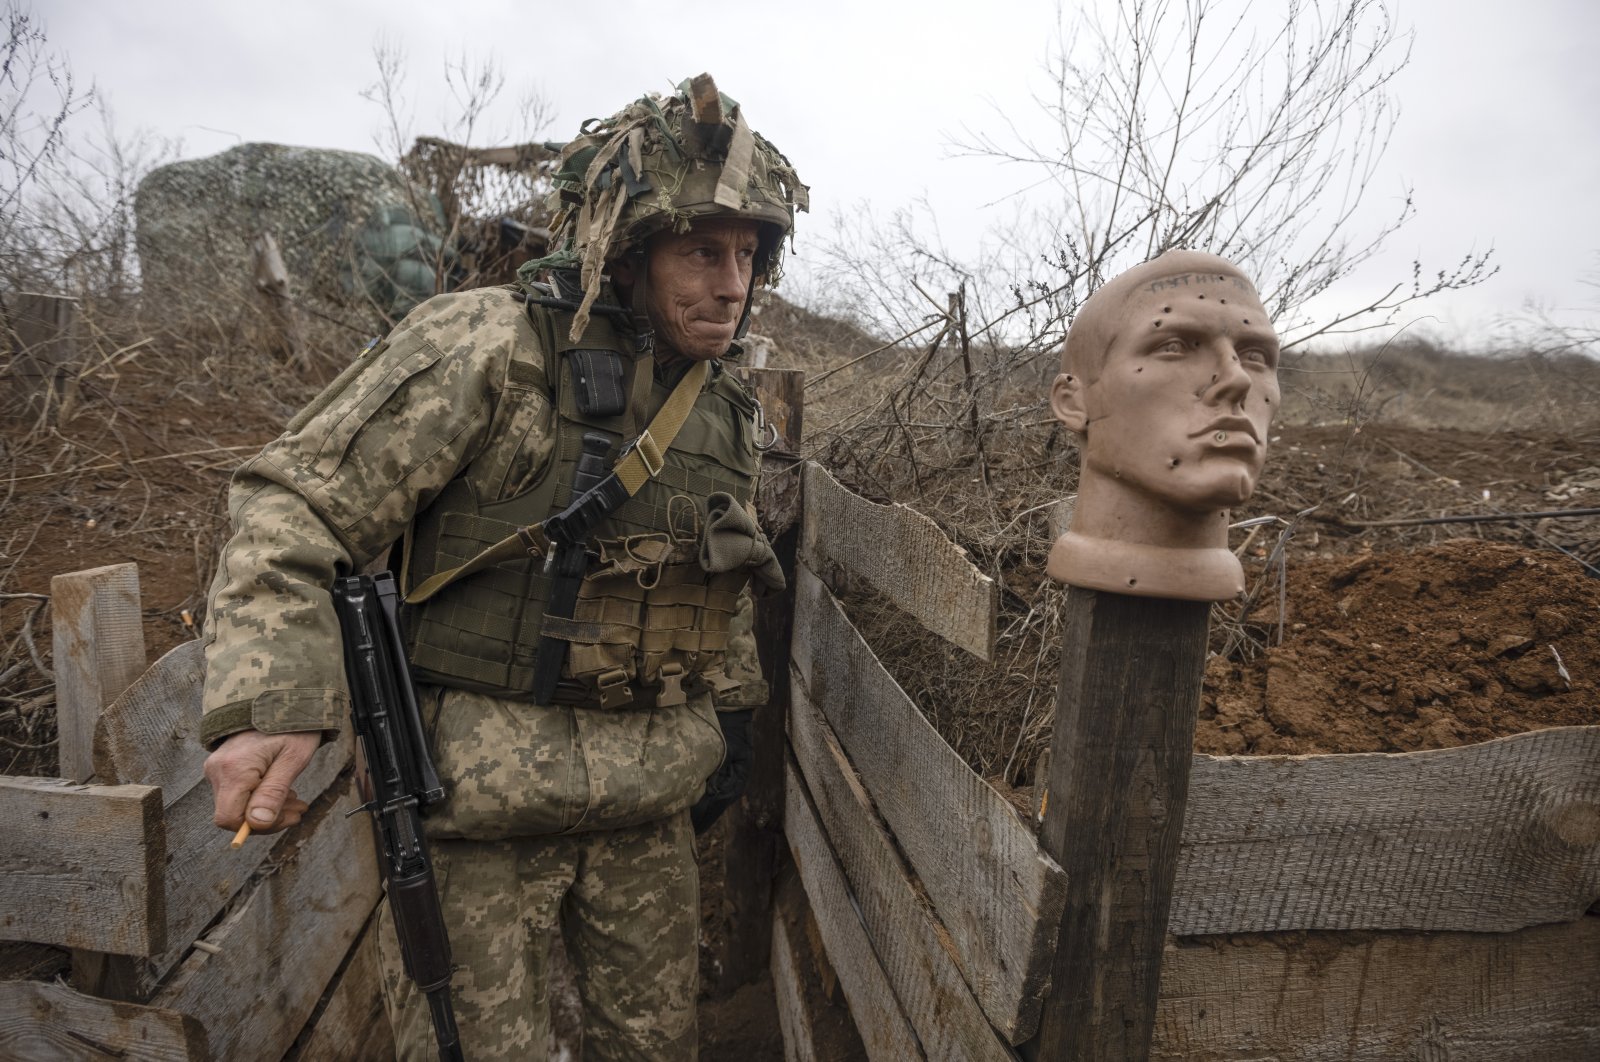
(256, 772)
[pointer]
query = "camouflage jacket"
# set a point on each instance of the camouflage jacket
(432, 402)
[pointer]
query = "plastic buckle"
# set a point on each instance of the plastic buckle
(613, 688)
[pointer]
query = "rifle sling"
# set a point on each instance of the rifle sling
(640, 462)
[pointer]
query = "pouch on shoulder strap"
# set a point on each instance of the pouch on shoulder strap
(599, 382)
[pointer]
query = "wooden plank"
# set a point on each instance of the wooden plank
(1374, 997)
(999, 896)
(151, 733)
(1488, 837)
(922, 967)
(45, 1022)
(794, 1016)
(44, 335)
(82, 866)
(283, 943)
(904, 555)
(353, 1026)
(99, 651)
(782, 394)
(815, 1019)
(754, 845)
(882, 1023)
(204, 873)
(1131, 669)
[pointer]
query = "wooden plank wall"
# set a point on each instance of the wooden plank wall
(996, 894)
(1486, 838)
(83, 865)
(1374, 997)
(1492, 850)
(132, 871)
(904, 555)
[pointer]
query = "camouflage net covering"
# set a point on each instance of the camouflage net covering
(355, 235)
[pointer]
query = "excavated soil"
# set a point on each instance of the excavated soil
(1431, 648)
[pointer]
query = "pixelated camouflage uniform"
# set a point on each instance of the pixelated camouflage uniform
(434, 402)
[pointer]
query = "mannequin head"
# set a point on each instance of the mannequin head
(1169, 376)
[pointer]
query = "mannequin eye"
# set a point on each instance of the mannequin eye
(1255, 356)
(1172, 346)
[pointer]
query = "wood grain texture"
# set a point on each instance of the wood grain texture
(353, 1026)
(82, 866)
(283, 943)
(904, 555)
(150, 735)
(996, 892)
(204, 873)
(885, 1032)
(1487, 838)
(1131, 669)
(911, 944)
(98, 641)
(794, 1017)
(44, 1022)
(1374, 997)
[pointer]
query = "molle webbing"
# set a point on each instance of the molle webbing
(648, 617)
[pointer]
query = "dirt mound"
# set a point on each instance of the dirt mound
(1395, 652)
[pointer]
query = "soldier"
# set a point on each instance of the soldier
(468, 421)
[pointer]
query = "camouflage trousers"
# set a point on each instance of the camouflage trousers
(627, 902)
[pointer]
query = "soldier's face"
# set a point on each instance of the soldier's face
(698, 281)
(1186, 395)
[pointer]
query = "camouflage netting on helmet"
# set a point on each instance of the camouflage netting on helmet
(660, 163)
(348, 226)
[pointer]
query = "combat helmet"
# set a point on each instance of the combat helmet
(658, 164)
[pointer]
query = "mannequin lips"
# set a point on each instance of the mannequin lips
(1230, 426)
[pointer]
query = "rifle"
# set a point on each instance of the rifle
(400, 781)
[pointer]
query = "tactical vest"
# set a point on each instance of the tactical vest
(650, 624)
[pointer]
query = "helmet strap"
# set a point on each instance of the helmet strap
(644, 334)
(744, 318)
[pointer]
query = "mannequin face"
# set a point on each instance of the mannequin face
(1182, 402)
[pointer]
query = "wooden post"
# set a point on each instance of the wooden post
(42, 332)
(754, 834)
(1131, 669)
(99, 651)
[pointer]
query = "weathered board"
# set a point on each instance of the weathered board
(98, 641)
(904, 555)
(1486, 838)
(1375, 997)
(794, 1018)
(280, 947)
(353, 1026)
(150, 735)
(879, 1018)
(46, 1022)
(82, 866)
(204, 872)
(903, 931)
(996, 892)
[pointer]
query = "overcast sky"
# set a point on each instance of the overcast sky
(1498, 136)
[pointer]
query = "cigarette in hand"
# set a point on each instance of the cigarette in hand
(238, 838)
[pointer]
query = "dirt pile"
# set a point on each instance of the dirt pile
(1399, 651)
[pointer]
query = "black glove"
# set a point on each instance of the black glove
(726, 785)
